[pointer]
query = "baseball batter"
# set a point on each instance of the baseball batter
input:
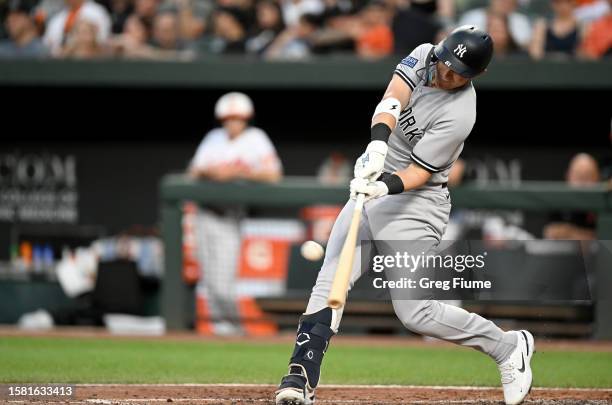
(418, 131)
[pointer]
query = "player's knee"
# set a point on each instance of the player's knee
(415, 315)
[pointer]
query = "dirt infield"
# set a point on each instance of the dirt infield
(331, 394)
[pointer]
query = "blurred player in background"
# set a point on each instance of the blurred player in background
(235, 151)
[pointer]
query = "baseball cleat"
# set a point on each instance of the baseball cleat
(294, 388)
(515, 372)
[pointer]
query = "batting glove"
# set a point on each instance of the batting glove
(370, 165)
(370, 189)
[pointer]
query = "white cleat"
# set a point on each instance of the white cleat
(294, 388)
(291, 396)
(515, 372)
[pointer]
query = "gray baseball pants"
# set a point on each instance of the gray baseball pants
(218, 251)
(411, 216)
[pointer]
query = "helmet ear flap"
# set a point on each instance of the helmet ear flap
(437, 50)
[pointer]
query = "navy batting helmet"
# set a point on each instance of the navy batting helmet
(466, 51)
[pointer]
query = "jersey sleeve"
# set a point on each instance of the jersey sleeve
(266, 152)
(437, 149)
(203, 153)
(411, 68)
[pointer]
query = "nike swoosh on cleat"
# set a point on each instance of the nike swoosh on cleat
(522, 369)
(526, 342)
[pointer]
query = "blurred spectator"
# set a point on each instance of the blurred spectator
(192, 16)
(503, 41)
(165, 43)
(519, 24)
(337, 8)
(133, 42)
(229, 28)
(558, 36)
(269, 23)
(62, 24)
(24, 41)
(236, 151)
(294, 9)
(442, 11)
(591, 10)
(413, 26)
(247, 7)
(336, 169)
(373, 35)
(119, 11)
(582, 172)
(45, 10)
(166, 32)
(83, 43)
(368, 33)
(146, 10)
(445, 11)
(598, 39)
(295, 42)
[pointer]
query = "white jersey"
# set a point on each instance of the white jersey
(431, 130)
(90, 11)
(252, 150)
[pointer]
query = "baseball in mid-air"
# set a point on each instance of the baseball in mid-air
(312, 251)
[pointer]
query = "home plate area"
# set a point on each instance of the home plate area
(327, 394)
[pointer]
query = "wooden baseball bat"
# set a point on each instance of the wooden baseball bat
(339, 289)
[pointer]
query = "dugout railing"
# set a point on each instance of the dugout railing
(324, 73)
(296, 192)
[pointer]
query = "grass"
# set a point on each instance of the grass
(34, 359)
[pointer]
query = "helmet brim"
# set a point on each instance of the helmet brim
(454, 63)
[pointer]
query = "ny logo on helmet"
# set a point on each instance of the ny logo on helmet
(460, 50)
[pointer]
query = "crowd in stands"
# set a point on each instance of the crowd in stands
(296, 29)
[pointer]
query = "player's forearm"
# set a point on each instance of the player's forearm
(413, 177)
(385, 118)
(578, 233)
(215, 173)
(264, 176)
(197, 172)
(567, 231)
